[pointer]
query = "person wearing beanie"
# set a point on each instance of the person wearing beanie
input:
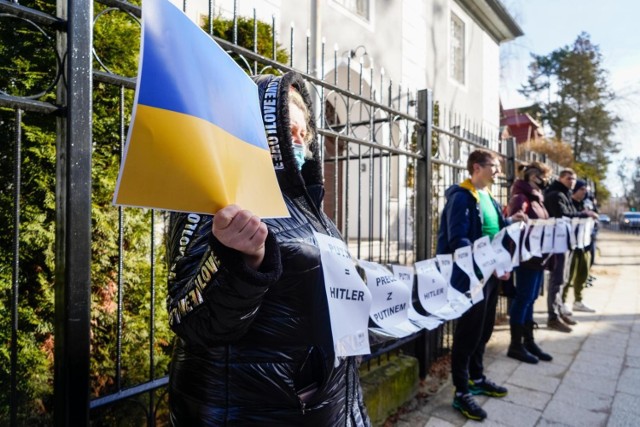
(557, 200)
(526, 196)
(580, 257)
(580, 184)
(247, 297)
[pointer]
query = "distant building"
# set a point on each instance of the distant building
(521, 126)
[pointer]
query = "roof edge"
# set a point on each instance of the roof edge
(492, 16)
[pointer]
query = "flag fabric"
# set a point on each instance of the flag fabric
(196, 141)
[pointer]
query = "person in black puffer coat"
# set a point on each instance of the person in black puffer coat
(254, 343)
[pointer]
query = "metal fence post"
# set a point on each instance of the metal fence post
(424, 232)
(73, 219)
(510, 167)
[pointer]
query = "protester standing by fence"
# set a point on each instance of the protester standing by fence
(527, 197)
(470, 213)
(246, 298)
(581, 258)
(558, 203)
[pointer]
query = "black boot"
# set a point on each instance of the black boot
(531, 345)
(516, 349)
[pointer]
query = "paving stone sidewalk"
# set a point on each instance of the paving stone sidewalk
(594, 378)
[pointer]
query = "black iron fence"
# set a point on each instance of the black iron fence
(85, 335)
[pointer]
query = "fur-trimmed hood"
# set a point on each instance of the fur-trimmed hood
(274, 104)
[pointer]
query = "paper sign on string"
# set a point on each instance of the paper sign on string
(503, 258)
(445, 265)
(580, 233)
(348, 297)
(561, 235)
(573, 231)
(588, 229)
(535, 237)
(484, 257)
(391, 300)
(458, 302)
(406, 275)
(525, 255)
(432, 288)
(513, 231)
(430, 281)
(428, 322)
(547, 239)
(464, 260)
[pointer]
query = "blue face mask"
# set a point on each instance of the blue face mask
(298, 154)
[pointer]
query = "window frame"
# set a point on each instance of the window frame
(458, 52)
(367, 21)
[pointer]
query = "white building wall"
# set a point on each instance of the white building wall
(414, 34)
(464, 98)
(491, 83)
(436, 47)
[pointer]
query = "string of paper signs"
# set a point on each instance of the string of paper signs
(384, 303)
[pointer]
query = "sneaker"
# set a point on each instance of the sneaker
(487, 388)
(564, 309)
(468, 406)
(580, 306)
(568, 320)
(558, 325)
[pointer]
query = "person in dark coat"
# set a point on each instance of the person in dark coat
(470, 213)
(526, 196)
(558, 202)
(247, 298)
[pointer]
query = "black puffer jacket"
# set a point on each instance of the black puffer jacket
(250, 341)
(557, 200)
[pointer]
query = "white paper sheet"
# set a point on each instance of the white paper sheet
(348, 297)
(391, 300)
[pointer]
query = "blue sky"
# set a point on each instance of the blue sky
(613, 25)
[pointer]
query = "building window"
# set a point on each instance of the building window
(456, 60)
(357, 7)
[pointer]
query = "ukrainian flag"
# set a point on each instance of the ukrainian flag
(197, 140)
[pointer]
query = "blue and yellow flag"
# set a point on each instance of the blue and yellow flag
(196, 141)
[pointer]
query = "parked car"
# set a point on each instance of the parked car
(629, 220)
(604, 219)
